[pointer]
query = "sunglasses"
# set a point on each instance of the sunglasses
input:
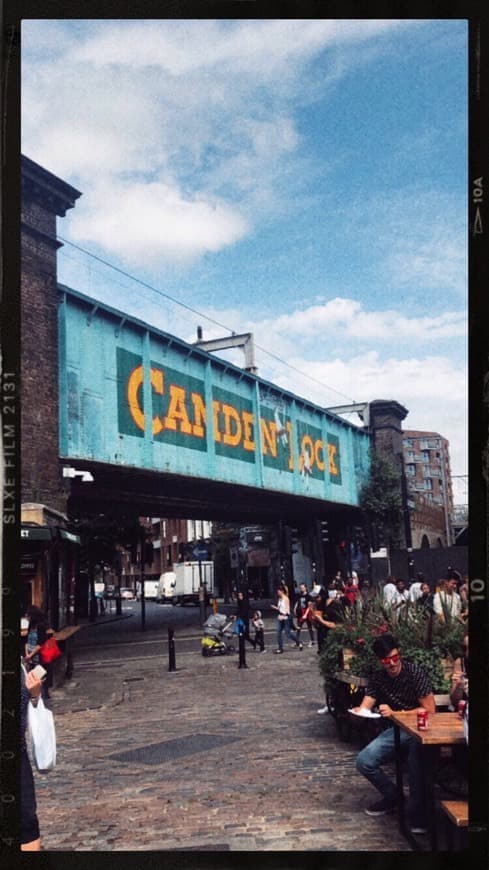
(391, 659)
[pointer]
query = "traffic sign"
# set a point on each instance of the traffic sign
(200, 552)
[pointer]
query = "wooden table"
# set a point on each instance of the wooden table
(445, 729)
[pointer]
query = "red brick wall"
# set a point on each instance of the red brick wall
(39, 360)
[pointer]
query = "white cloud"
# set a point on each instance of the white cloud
(202, 106)
(255, 47)
(433, 388)
(141, 222)
(348, 319)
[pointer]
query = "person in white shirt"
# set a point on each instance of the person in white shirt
(401, 594)
(414, 591)
(415, 587)
(447, 601)
(390, 591)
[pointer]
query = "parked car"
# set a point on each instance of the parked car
(127, 593)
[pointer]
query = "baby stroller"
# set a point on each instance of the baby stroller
(217, 640)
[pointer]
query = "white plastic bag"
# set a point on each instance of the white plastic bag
(43, 736)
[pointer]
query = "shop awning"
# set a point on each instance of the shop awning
(36, 533)
(47, 533)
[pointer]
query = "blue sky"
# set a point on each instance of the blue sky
(305, 180)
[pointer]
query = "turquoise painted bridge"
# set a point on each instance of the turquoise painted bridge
(157, 419)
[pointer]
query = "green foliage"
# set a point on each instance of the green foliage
(419, 640)
(380, 496)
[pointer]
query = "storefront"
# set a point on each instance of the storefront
(49, 571)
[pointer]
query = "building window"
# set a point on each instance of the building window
(428, 483)
(408, 442)
(410, 455)
(411, 470)
(425, 455)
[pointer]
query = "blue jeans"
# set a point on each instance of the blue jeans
(382, 750)
(284, 625)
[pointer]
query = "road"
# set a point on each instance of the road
(210, 757)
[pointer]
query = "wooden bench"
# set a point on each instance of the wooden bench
(457, 812)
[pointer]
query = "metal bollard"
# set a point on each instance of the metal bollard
(202, 604)
(241, 647)
(171, 650)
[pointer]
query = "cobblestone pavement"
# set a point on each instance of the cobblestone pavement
(239, 760)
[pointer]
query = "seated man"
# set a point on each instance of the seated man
(398, 686)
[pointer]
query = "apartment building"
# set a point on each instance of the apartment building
(429, 483)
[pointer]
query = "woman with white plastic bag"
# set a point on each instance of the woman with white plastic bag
(43, 745)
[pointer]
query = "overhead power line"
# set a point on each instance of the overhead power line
(198, 313)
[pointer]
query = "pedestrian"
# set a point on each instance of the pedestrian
(37, 634)
(30, 838)
(463, 591)
(336, 586)
(399, 685)
(351, 592)
(401, 594)
(283, 624)
(425, 600)
(415, 587)
(326, 615)
(243, 618)
(447, 603)
(389, 591)
(303, 613)
(259, 627)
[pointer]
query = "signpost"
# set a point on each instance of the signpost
(200, 552)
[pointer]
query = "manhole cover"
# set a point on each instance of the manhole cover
(168, 750)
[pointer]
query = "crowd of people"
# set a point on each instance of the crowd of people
(448, 601)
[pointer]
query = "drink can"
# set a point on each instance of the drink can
(422, 718)
(461, 708)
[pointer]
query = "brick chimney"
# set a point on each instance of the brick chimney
(44, 198)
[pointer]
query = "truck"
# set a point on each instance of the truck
(166, 588)
(150, 589)
(181, 585)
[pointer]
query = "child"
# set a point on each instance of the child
(259, 625)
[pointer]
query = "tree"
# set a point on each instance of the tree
(381, 501)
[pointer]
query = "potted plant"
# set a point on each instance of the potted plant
(421, 640)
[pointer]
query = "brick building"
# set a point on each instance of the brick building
(48, 548)
(429, 482)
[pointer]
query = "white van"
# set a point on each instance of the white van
(166, 588)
